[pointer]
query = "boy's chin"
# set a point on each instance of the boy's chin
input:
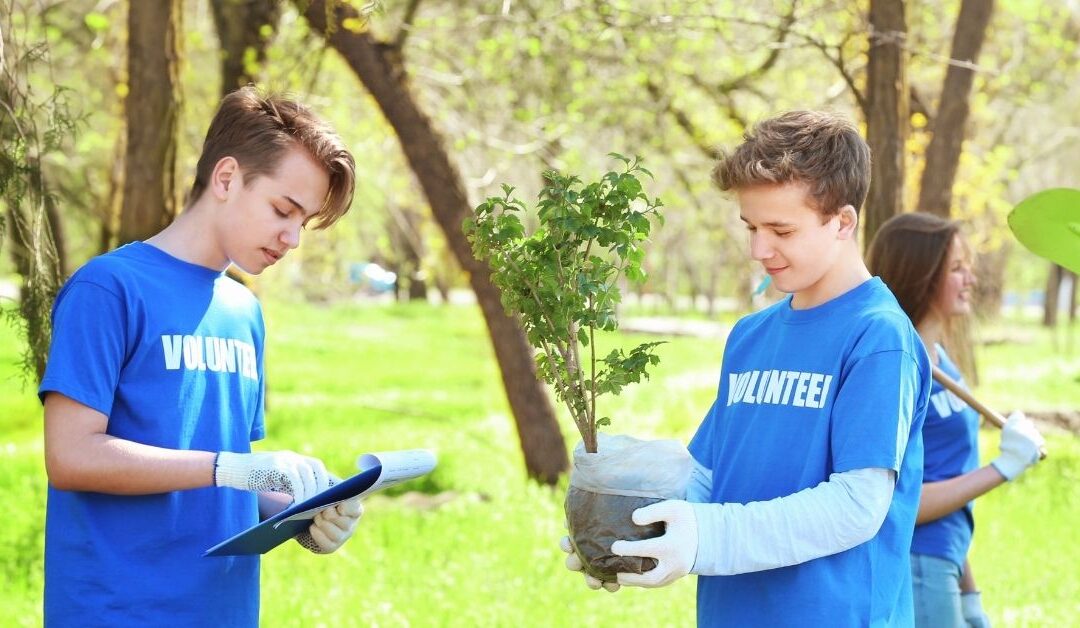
(249, 269)
(787, 287)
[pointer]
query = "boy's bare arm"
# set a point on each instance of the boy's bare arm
(80, 456)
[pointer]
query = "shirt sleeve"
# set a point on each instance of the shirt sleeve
(258, 423)
(874, 410)
(701, 445)
(89, 346)
(699, 488)
(836, 515)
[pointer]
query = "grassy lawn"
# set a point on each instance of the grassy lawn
(474, 543)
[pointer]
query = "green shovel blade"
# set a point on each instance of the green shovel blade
(1048, 224)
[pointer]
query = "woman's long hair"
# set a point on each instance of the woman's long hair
(909, 253)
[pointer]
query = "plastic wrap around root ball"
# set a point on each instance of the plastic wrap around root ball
(596, 521)
(608, 486)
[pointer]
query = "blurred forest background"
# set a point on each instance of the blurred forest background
(969, 107)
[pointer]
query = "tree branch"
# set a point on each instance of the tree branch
(838, 62)
(722, 92)
(683, 120)
(406, 24)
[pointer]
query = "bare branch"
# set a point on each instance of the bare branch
(782, 32)
(406, 24)
(683, 120)
(837, 61)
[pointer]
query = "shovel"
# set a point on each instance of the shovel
(1048, 224)
(955, 388)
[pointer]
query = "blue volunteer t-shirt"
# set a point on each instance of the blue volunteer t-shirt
(804, 394)
(951, 442)
(172, 354)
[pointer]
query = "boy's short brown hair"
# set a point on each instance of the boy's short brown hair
(257, 130)
(822, 150)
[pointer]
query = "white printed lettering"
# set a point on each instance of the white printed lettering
(775, 388)
(749, 398)
(825, 390)
(172, 347)
(800, 390)
(814, 390)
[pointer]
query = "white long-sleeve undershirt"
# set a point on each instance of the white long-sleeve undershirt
(836, 515)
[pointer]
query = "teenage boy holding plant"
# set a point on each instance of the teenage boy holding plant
(808, 466)
(154, 388)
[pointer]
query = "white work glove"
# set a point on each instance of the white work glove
(675, 551)
(1020, 445)
(276, 471)
(971, 606)
(332, 527)
(573, 563)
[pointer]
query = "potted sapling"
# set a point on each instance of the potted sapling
(562, 283)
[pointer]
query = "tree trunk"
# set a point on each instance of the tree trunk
(1053, 289)
(56, 229)
(886, 112)
(31, 218)
(153, 109)
(1073, 279)
(244, 29)
(989, 291)
(38, 262)
(110, 220)
(412, 246)
(380, 68)
(943, 153)
(403, 226)
(710, 289)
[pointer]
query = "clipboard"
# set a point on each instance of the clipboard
(378, 471)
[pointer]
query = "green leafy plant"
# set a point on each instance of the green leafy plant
(562, 280)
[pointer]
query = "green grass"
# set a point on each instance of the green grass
(474, 543)
(1027, 546)
(1035, 369)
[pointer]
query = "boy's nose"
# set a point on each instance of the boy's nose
(760, 248)
(291, 237)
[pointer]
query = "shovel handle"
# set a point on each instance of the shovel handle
(955, 388)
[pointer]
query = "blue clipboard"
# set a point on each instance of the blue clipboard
(270, 533)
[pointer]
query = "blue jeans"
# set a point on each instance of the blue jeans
(935, 586)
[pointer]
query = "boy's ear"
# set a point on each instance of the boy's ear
(849, 223)
(226, 173)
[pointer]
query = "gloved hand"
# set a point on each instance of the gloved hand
(675, 551)
(573, 563)
(1020, 445)
(971, 606)
(332, 527)
(278, 471)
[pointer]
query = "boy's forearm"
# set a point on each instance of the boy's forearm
(81, 456)
(106, 464)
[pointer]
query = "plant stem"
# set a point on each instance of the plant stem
(592, 376)
(583, 423)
